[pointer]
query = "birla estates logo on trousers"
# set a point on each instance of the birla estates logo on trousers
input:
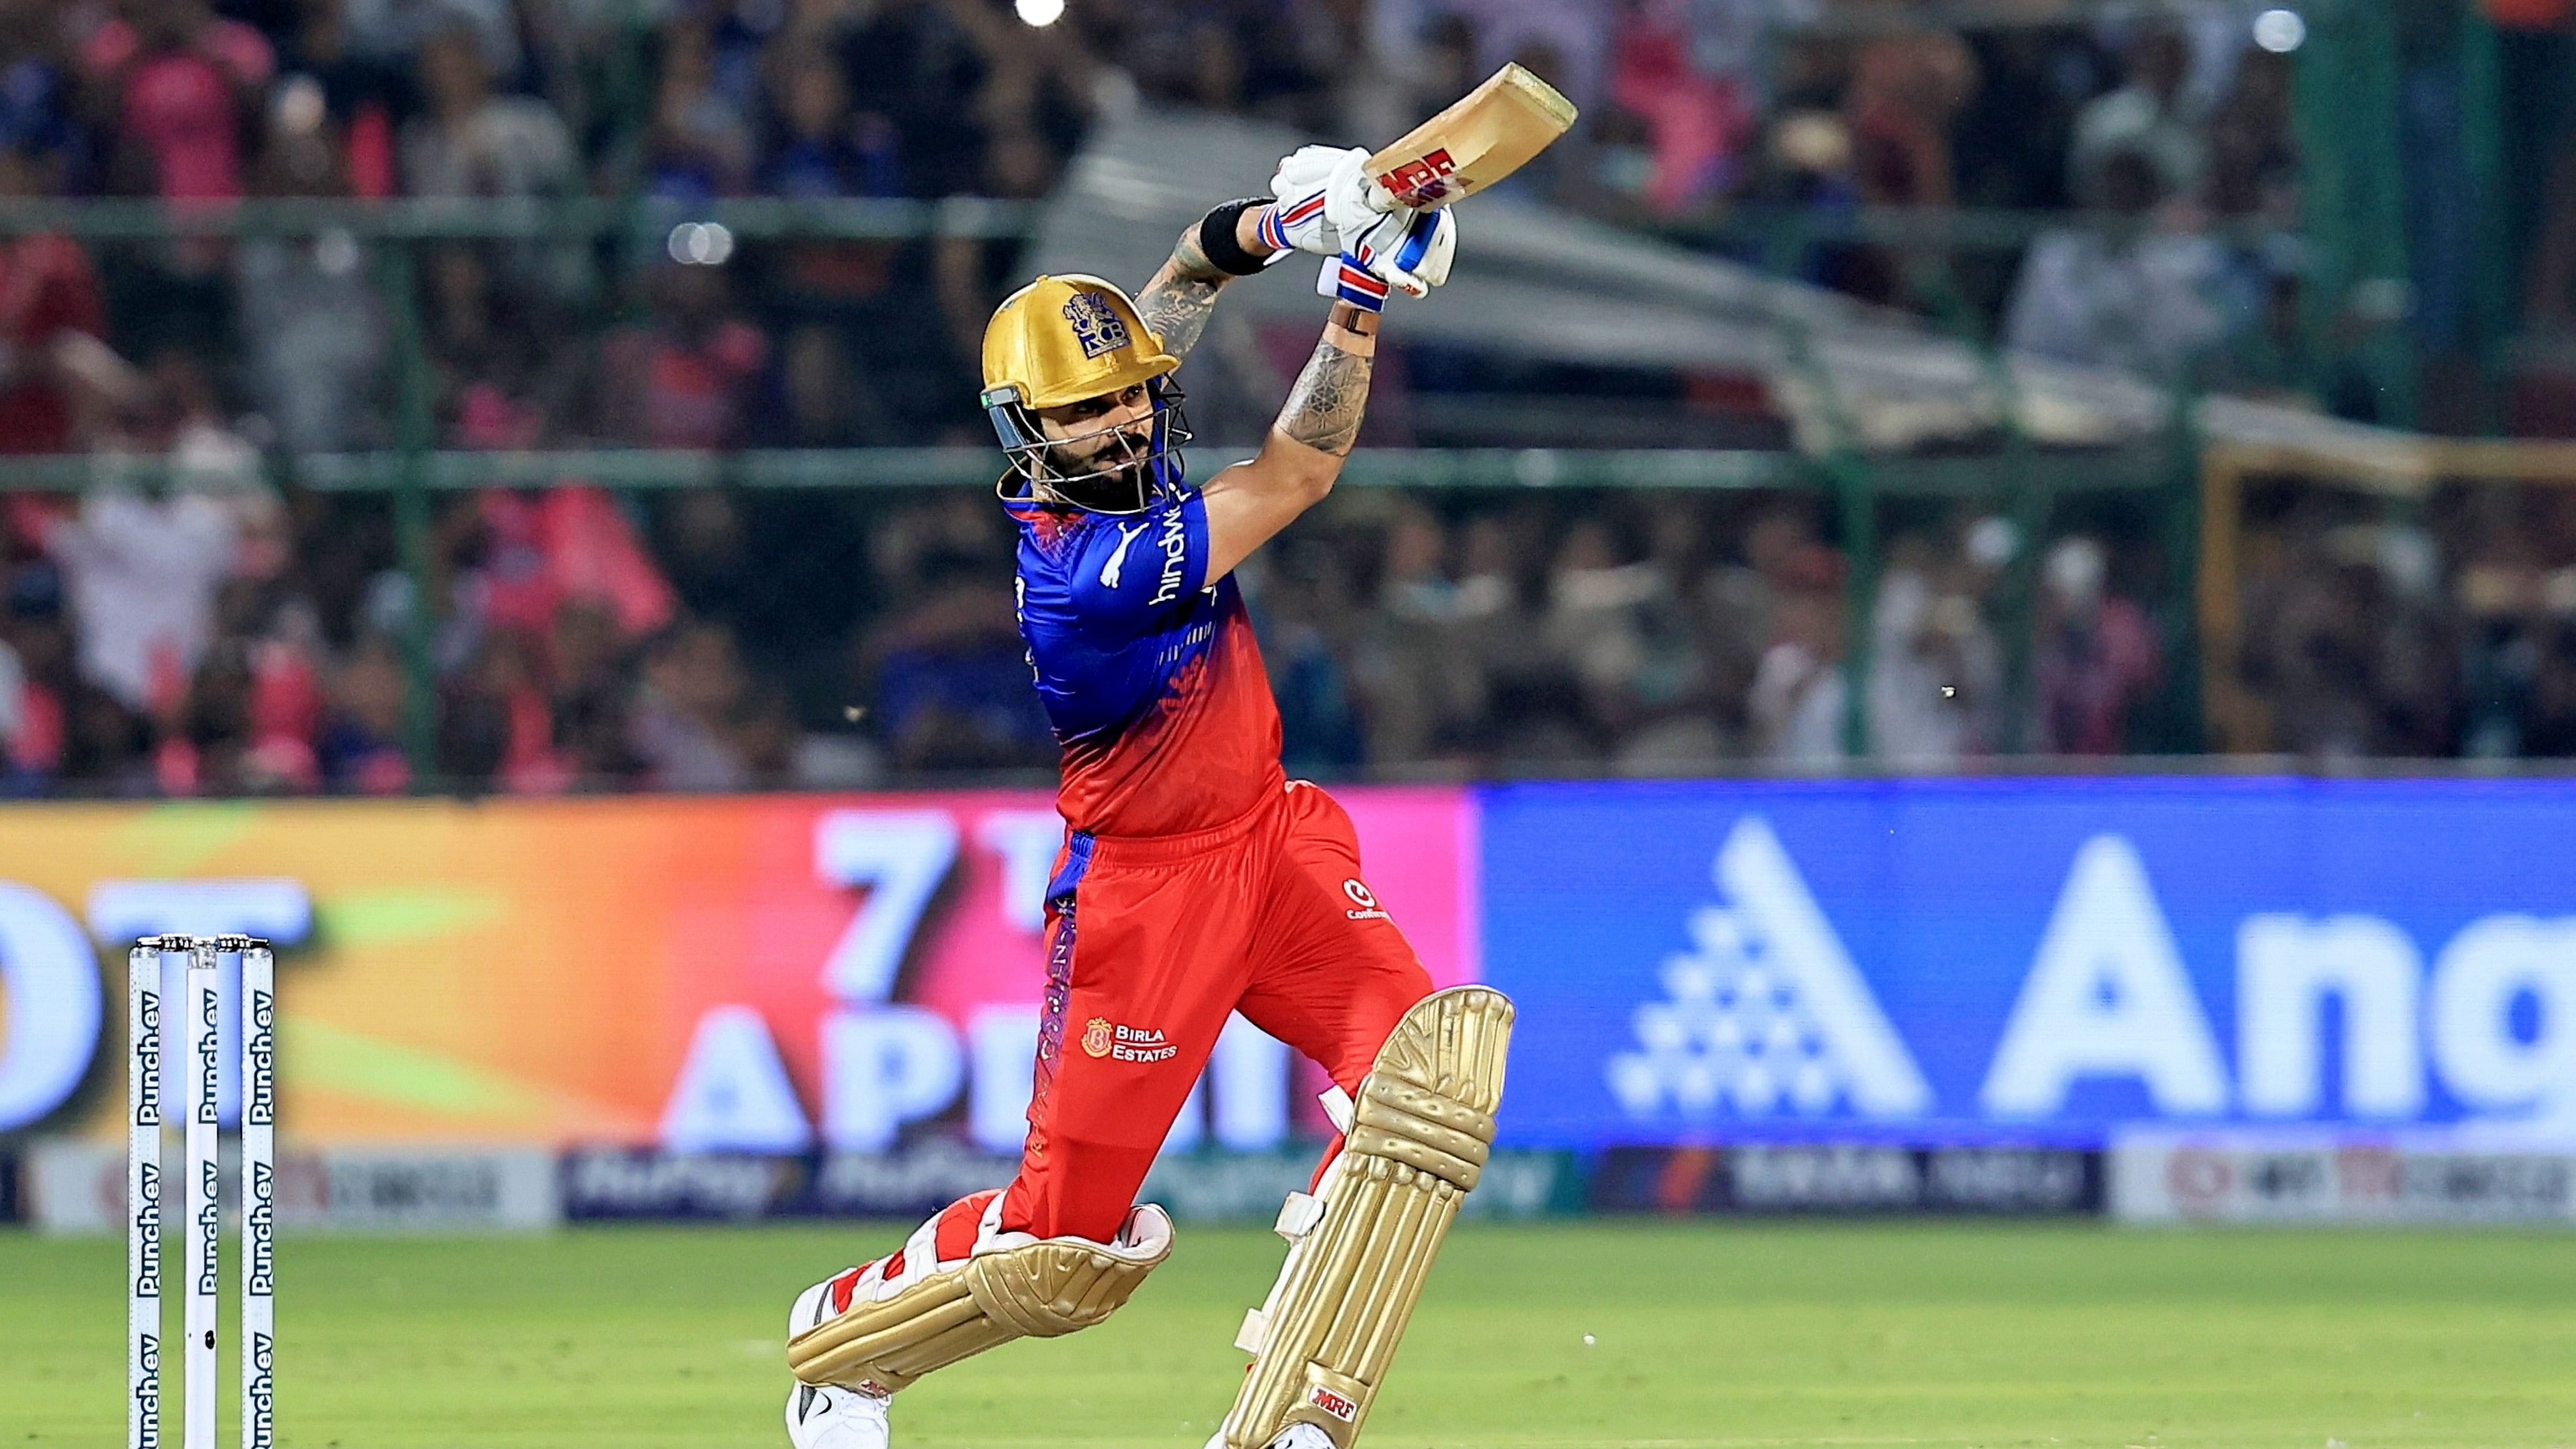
(1104, 1038)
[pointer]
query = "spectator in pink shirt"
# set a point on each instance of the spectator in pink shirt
(180, 89)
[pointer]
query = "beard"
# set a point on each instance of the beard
(1116, 479)
(1122, 490)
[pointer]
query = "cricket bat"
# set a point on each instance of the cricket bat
(1481, 138)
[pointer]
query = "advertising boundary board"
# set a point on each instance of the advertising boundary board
(779, 974)
(78, 1186)
(2162, 1177)
(911, 1182)
(2030, 961)
(1848, 1179)
(1910, 963)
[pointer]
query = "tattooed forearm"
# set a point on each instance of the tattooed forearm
(1324, 408)
(1177, 302)
(1190, 261)
(1177, 307)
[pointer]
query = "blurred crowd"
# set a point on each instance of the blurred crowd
(1695, 110)
(2440, 629)
(2176, 120)
(219, 638)
(216, 641)
(1674, 634)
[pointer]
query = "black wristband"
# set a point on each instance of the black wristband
(1217, 241)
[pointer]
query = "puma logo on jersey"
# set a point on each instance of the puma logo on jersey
(1110, 571)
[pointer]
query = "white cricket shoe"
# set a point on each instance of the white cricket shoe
(836, 1418)
(830, 1417)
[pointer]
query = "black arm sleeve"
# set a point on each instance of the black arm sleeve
(1216, 238)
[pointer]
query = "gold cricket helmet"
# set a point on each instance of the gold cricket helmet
(1059, 340)
(1062, 340)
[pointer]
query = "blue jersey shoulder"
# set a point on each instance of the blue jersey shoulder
(1113, 608)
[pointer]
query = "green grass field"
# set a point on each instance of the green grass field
(1704, 1335)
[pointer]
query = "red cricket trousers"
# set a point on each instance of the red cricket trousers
(1151, 944)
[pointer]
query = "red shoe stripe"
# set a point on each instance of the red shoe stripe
(844, 1286)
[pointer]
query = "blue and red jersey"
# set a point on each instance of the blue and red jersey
(1149, 673)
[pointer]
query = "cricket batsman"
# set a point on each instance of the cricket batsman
(1196, 879)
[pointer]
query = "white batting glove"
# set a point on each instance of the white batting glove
(1407, 251)
(1323, 196)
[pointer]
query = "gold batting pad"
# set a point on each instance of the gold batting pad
(1040, 1289)
(1360, 1248)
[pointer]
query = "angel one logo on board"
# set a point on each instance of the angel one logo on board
(1767, 1014)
